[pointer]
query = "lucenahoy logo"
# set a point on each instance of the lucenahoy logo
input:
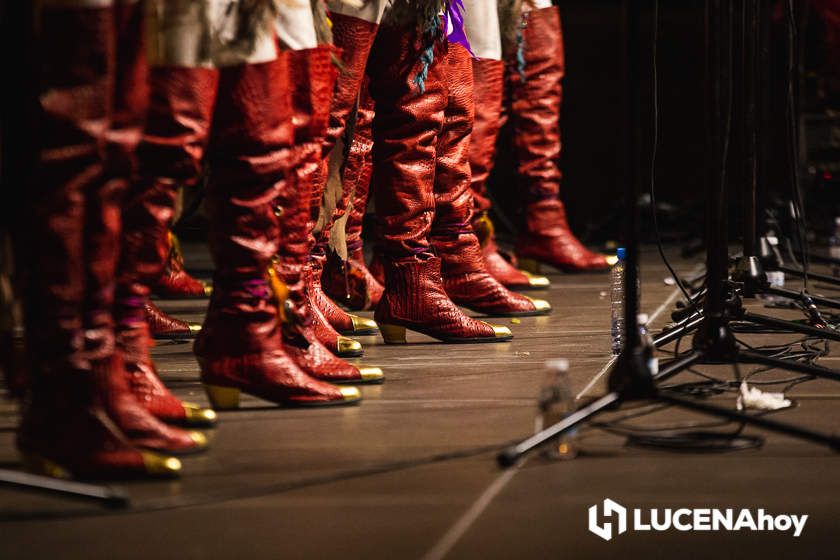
(618, 519)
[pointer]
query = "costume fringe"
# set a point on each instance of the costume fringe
(323, 25)
(334, 187)
(510, 17)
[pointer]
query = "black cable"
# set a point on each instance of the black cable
(793, 139)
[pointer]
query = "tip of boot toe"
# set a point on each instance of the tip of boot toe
(541, 305)
(362, 324)
(198, 415)
(348, 345)
(160, 465)
(199, 439)
(536, 281)
(350, 393)
(500, 331)
(371, 373)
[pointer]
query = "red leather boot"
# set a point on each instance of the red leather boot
(164, 326)
(66, 432)
(71, 424)
(535, 114)
(177, 125)
(350, 282)
(240, 347)
(313, 76)
(175, 282)
(465, 279)
(125, 405)
(353, 37)
(344, 323)
(488, 88)
(411, 99)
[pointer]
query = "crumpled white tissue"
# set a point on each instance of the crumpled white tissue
(752, 398)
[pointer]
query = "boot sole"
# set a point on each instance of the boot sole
(176, 452)
(387, 337)
(176, 336)
(351, 354)
(353, 381)
(227, 398)
(512, 314)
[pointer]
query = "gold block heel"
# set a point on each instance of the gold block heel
(529, 265)
(393, 334)
(39, 465)
(222, 398)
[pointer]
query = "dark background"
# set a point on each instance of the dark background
(592, 114)
(592, 123)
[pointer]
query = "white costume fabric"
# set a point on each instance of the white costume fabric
(370, 10)
(481, 23)
(536, 5)
(295, 26)
(202, 34)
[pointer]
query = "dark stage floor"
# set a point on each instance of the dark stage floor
(410, 475)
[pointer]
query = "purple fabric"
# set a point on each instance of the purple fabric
(257, 288)
(455, 13)
(133, 310)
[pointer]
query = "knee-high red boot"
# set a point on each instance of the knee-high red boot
(465, 279)
(177, 127)
(240, 347)
(354, 37)
(71, 423)
(166, 327)
(174, 281)
(488, 88)
(411, 99)
(350, 282)
(535, 114)
(103, 228)
(313, 76)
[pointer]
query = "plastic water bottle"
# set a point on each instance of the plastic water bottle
(554, 403)
(617, 302)
(834, 247)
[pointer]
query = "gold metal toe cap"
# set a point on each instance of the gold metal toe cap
(611, 259)
(350, 393)
(500, 331)
(541, 304)
(38, 464)
(195, 327)
(348, 344)
(537, 281)
(199, 439)
(208, 290)
(160, 465)
(363, 324)
(371, 373)
(197, 414)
